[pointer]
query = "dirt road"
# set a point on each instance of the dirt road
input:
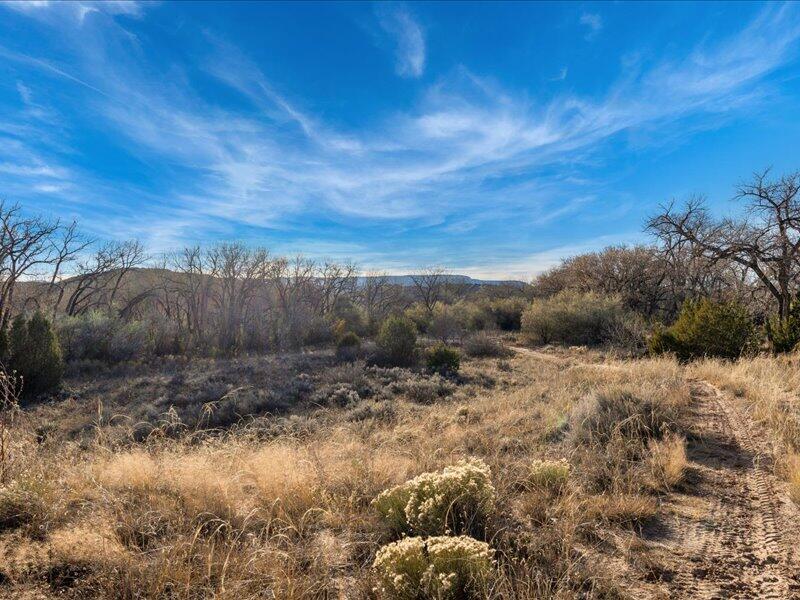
(731, 530)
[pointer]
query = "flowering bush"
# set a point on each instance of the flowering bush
(437, 567)
(455, 500)
(550, 475)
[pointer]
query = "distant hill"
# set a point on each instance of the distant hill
(408, 280)
(138, 275)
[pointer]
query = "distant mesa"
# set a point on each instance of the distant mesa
(408, 280)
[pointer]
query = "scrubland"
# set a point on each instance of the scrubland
(533, 474)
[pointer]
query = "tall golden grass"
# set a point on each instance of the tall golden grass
(239, 516)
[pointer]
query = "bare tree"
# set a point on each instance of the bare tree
(635, 274)
(239, 272)
(99, 278)
(26, 245)
(334, 282)
(191, 283)
(430, 286)
(378, 295)
(67, 248)
(765, 241)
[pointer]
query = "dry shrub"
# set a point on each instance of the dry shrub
(384, 411)
(549, 475)
(284, 480)
(428, 390)
(667, 461)
(340, 394)
(612, 427)
(26, 503)
(793, 476)
(483, 345)
(620, 411)
(620, 508)
(282, 506)
(446, 568)
(123, 471)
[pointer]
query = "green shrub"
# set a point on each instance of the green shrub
(420, 316)
(17, 339)
(348, 347)
(572, 318)
(35, 355)
(661, 341)
(445, 568)
(445, 324)
(457, 499)
(473, 316)
(4, 345)
(99, 336)
(706, 328)
(349, 340)
(397, 341)
(443, 359)
(785, 335)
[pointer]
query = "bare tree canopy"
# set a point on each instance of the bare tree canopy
(30, 247)
(431, 286)
(765, 241)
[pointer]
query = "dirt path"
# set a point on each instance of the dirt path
(731, 531)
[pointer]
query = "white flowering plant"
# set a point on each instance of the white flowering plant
(457, 499)
(441, 567)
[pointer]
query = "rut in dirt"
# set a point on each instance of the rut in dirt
(730, 532)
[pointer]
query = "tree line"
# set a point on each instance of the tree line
(752, 259)
(114, 301)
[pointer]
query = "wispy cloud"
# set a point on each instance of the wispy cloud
(562, 75)
(407, 37)
(593, 22)
(269, 161)
(76, 9)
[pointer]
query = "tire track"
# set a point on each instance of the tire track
(730, 532)
(723, 533)
(770, 578)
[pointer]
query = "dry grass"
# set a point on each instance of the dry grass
(667, 462)
(244, 514)
(769, 388)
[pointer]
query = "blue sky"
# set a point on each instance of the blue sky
(491, 139)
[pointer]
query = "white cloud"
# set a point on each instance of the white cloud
(562, 75)
(407, 36)
(24, 93)
(273, 165)
(593, 22)
(74, 10)
(538, 262)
